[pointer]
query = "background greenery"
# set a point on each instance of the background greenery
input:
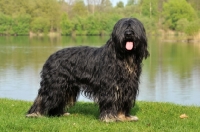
(96, 17)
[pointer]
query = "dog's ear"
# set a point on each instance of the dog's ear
(146, 53)
(145, 48)
(144, 41)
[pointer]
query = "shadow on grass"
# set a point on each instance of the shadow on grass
(92, 109)
(135, 109)
(85, 108)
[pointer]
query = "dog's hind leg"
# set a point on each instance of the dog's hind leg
(72, 97)
(51, 99)
(48, 103)
(35, 108)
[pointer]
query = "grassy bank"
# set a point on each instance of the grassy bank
(153, 117)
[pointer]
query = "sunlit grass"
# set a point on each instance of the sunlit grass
(153, 117)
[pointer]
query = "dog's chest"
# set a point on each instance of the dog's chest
(130, 65)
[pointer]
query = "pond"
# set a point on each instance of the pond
(170, 74)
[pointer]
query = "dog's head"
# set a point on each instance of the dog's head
(129, 37)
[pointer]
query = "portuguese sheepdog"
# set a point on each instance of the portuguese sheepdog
(109, 75)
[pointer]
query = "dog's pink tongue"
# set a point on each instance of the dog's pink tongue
(129, 45)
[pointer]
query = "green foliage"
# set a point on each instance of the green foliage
(18, 25)
(79, 8)
(130, 2)
(120, 4)
(174, 10)
(19, 17)
(93, 25)
(21, 25)
(40, 24)
(6, 22)
(192, 28)
(150, 8)
(182, 24)
(66, 25)
(195, 4)
(97, 24)
(149, 24)
(50, 11)
(79, 26)
(105, 5)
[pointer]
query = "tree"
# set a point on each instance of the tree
(40, 25)
(120, 4)
(6, 23)
(92, 4)
(133, 2)
(66, 25)
(130, 2)
(105, 4)
(195, 4)
(192, 28)
(79, 8)
(150, 8)
(182, 24)
(21, 25)
(174, 10)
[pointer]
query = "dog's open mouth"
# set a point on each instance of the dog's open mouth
(129, 45)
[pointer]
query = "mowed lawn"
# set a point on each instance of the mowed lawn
(153, 117)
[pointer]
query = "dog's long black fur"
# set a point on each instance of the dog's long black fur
(109, 75)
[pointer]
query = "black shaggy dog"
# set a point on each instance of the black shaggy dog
(109, 75)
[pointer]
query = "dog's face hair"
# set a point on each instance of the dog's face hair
(129, 37)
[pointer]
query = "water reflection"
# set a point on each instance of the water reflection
(170, 74)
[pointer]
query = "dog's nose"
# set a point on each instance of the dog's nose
(128, 33)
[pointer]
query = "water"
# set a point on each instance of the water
(170, 74)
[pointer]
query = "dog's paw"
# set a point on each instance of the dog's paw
(33, 115)
(122, 117)
(109, 118)
(132, 118)
(66, 114)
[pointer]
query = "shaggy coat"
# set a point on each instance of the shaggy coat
(109, 75)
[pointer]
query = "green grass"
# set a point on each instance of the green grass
(153, 117)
